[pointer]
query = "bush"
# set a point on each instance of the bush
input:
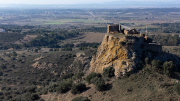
(168, 67)
(52, 87)
(177, 88)
(36, 50)
(156, 64)
(79, 75)
(14, 54)
(67, 75)
(50, 49)
(99, 83)
(92, 75)
(34, 96)
(80, 99)
(147, 60)
(123, 43)
(57, 49)
(3, 67)
(31, 89)
(1, 73)
(78, 88)
(64, 86)
(108, 72)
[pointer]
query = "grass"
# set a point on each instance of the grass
(1, 17)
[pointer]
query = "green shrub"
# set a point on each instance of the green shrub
(168, 67)
(177, 88)
(57, 49)
(31, 89)
(79, 75)
(3, 67)
(14, 54)
(64, 86)
(156, 64)
(92, 75)
(109, 72)
(122, 43)
(67, 75)
(34, 96)
(36, 50)
(19, 60)
(1, 73)
(78, 88)
(7, 93)
(1, 93)
(99, 83)
(146, 60)
(52, 87)
(50, 49)
(41, 100)
(80, 99)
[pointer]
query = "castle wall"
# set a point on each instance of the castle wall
(113, 28)
(153, 47)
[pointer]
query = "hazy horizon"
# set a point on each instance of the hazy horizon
(39, 2)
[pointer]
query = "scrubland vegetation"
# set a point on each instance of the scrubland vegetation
(42, 56)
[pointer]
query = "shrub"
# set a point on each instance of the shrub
(146, 60)
(67, 75)
(31, 89)
(78, 88)
(50, 49)
(123, 43)
(80, 99)
(1, 93)
(19, 60)
(3, 67)
(64, 86)
(99, 83)
(7, 93)
(79, 75)
(108, 72)
(57, 49)
(92, 75)
(36, 50)
(41, 100)
(156, 64)
(1, 73)
(34, 96)
(168, 67)
(14, 54)
(177, 88)
(52, 87)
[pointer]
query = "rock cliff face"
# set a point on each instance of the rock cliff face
(112, 53)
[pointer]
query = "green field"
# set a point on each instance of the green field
(63, 21)
(1, 17)
(55, 23)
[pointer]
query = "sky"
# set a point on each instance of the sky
(65, 1)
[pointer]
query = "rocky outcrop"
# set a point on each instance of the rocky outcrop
(112, 53)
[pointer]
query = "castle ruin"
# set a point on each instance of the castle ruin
(134, 37)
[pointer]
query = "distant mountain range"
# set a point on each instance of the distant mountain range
(114, 4)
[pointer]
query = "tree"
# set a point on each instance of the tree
(109, 72)
(64, 86)
(91, 76)
(156, 64)
(99, 83)
(78, 88)
(168, 67)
